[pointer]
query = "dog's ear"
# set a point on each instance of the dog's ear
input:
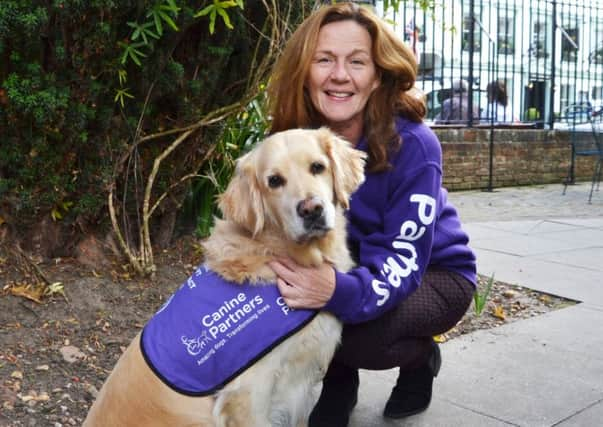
(347, 165)
(242, 200)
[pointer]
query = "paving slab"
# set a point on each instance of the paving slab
(585, 222)
(587, 258)
(530, 202)
(528, 245)
(562, 279)
(591, 416)
(535, 372)
(374, 391)
(440, 414)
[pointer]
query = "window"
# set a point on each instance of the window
(477, 35)
(595, 52)
(583, 97)
(538, 48)
(596, 55)
(569, 44)
(597, 93)
(568, 94)
(506, 45)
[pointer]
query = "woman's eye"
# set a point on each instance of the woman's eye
(275, 181)
(323, 60)
(316, 168)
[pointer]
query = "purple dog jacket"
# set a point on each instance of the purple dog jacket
(211, 330)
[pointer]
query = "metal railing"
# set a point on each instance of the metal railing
(548, 54)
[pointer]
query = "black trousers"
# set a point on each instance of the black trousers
(402, 337)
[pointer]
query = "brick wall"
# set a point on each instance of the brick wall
(520, 157)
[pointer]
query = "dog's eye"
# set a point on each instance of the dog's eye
(275, 181)
(316, 168)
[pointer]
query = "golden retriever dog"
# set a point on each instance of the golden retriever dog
(287, 198)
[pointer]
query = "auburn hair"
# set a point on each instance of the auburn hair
(289, 102)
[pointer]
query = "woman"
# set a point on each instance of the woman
(345, 69)
(498, 101)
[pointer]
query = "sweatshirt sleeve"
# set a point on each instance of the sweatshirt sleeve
(392, 262)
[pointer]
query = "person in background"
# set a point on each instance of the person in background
(455, 109)
(498, 100)
(415, 276)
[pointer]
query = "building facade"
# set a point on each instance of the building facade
(549, 53)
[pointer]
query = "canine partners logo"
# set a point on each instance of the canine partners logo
(194, 346)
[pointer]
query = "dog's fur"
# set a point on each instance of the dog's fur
(276, 185)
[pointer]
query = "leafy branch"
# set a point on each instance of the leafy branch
(219, 8)
(144, 31)
(141, 40)
(160, 13)
(144, 34)
(395, 4)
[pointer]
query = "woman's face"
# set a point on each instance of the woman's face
(342, 76)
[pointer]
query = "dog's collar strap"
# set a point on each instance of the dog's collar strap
(211, 330)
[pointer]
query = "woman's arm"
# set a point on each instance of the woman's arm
(392, 261)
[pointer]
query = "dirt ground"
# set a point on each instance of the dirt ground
(55, 355)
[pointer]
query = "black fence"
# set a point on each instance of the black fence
(547, 54)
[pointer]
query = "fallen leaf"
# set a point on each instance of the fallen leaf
(17, 375)
(31, 292)
(499, 312)
(55, 288)
(545, 299)
(439, 338)
(510, 293)
(42, 368)
(42, 397)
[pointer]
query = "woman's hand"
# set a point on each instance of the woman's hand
(304, 287)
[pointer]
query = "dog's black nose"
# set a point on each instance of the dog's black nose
(310, 209)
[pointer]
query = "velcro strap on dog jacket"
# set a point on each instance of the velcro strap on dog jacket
(210, 330)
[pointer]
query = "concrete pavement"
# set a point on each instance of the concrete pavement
(543, 371)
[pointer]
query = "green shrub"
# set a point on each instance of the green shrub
(66, 134)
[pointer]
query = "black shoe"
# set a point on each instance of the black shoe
(412, 392)
(337, 399)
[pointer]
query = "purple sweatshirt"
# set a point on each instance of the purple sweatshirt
(400, 223)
